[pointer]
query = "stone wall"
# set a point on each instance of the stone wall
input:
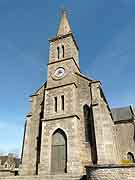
(124, 133)
(29, 155)
(4, 173)
(103, 123)
(69, 92)
(83, 98)
(111, 172)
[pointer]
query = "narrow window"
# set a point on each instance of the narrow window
(62, 102)
(58, 52)
(63, 53)
(55, 101)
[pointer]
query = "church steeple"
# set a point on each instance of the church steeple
(63, 55)
(64, 27)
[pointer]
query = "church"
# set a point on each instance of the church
(70, 131)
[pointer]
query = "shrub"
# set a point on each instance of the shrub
(126, 161)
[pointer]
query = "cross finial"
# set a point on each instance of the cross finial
(63, 11)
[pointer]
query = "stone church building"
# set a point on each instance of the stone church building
(70, 130)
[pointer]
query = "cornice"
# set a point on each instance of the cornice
(65, 59)
(62, 117)
(73, 83)
(83, 76)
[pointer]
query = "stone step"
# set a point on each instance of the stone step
(45, 177)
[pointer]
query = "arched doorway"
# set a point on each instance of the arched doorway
(130, 157)
(59, 152)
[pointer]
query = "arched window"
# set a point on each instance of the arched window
(62, 102)
(55, 102)
(58, 52)
(130, 157)
(63, 51)
(59, 152)
(86, 111)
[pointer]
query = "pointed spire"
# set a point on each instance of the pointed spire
(64, 27)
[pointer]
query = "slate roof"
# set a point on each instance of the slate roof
(122, 114)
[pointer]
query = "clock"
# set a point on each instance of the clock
(59, 72)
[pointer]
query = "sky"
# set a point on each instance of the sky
(105, 33)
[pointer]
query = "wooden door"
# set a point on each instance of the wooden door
(59, 152)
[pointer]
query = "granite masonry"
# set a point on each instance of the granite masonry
(71, 131)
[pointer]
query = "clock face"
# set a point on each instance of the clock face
(59, 72)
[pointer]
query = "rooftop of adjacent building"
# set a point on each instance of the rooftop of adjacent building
(10, 158)
(122, 114)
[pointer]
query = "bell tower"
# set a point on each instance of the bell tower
(60, 135)
(63, 54)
